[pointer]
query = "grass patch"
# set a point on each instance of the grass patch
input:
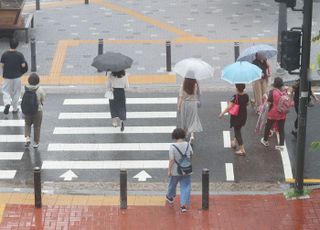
(292, 193)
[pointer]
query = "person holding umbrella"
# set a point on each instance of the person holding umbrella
(239, 73)
(117, 82)
(187, 107)
(192, 70)
(260, 86)
(239, 120)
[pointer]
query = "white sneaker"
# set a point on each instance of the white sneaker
(265, 143)
(279, 147)
(27, 143)
(35, 145)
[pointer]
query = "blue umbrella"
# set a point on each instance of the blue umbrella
(241, 72)
(249, 54)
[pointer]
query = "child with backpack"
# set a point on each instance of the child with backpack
(31, 106)
(180, 169)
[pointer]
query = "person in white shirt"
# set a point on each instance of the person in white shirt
(117, 82)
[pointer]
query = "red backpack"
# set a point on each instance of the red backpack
(284, 103)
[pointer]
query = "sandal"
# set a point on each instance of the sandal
(240, 153)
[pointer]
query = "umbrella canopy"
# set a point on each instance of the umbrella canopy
(111, 61)
(249, 54)
(241, 72)
(193, 68)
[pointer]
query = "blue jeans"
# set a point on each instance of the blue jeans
(185, 188)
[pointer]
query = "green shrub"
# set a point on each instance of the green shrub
(318, 60)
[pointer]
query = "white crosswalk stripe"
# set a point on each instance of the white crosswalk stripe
(106, 115)
(12, 138)
(114, 164)
(11, 123)
(108, 147)
(11, 155)
(7, 174)
(104, 101)
(112, 130)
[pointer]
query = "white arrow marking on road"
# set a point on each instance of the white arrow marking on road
(142, 176)
(68, 175)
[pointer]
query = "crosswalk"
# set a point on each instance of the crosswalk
(10, 139)
(79, 119)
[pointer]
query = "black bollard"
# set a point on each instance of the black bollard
(100, 46)
(37, 187)
(100, 49)
(236, 50)
(86, 1)
(205, 189)
(123, 189)
(37, 4)
(33, 56)
(168, 55)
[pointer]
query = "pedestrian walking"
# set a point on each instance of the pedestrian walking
(295, 95)
(239, 120)
(179, 149)
(275, 113)
(14, 66)
(117, 83)
(188, 102)
(32, 108)
(260, 86)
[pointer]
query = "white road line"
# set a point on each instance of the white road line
(126, 164)
(12, 138)
(226, 139)
(7, 174)
(224, 105)
(104, 101)
(11, 123)
(106, 115)
(229, 172)
(109, 147)
(286, 163)
(287, 169)
(11, 155)
(112, 130)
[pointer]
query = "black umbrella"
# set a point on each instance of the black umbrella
(111, 61)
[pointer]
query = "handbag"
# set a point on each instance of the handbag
(109, 94)
(234, 110)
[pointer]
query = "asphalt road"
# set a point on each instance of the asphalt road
(260, 165)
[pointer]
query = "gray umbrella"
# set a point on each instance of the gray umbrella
(111, 61)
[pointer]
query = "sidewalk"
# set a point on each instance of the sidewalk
(151, 212)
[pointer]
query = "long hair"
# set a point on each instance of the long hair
(188, 85)
(119, 74)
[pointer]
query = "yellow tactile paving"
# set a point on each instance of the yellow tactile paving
(90, 200)
(307, 181)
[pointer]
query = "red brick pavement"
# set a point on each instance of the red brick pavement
(226, 212)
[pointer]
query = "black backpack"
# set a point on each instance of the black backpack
(184, 164)
(29, 103)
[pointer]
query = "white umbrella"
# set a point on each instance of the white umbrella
(193, 68)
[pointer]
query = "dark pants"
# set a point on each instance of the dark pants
(281, 129)
(34, 120)
(296, 121)
(237, 134)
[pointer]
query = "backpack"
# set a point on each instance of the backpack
(184, 163)
(29, 103)
(284, 104)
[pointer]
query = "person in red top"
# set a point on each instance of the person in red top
(274, 115)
